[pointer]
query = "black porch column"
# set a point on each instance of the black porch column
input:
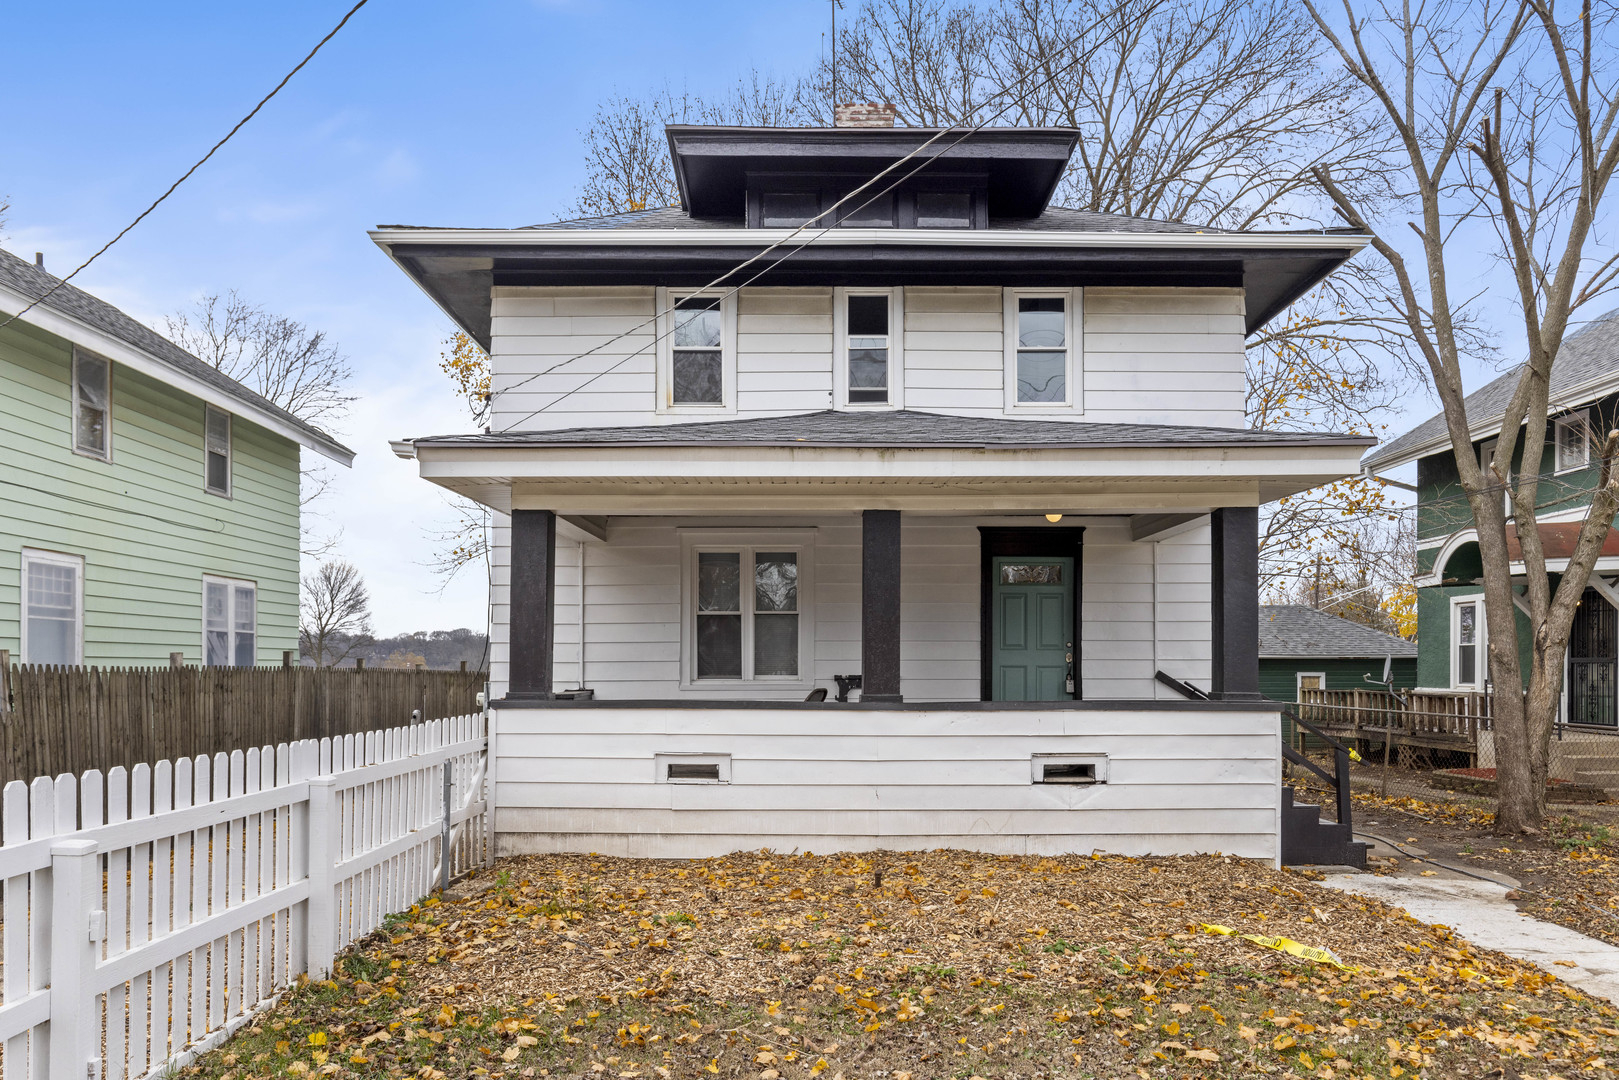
(1234, 555)
(879, 606)
(533, 602)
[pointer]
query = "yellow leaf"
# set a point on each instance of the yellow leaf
(1203, 1055)
(1282, 1042)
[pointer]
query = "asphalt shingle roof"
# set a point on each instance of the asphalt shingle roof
(1294, 631)
(24, 277)
(1053, 219)
(901, 428)
(1586, 356)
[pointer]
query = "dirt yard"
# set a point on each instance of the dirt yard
(911, 966)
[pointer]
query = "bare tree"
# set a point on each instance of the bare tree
(335, 613)
(627, 154)
(1533, 163)
(292, 366)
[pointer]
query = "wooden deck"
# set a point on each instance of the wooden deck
(1438, 721)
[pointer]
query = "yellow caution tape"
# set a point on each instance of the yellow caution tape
(1282, 944)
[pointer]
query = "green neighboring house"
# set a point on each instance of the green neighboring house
(1584, 392)
(148, 503)
(1301, 648)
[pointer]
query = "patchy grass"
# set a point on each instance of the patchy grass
(954, 965)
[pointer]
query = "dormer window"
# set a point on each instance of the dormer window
(788, 209)
(868, 211)
(944, 210)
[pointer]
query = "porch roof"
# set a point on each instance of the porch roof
(901, 428)
(902, 460)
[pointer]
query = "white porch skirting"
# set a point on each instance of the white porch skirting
(1180, 778)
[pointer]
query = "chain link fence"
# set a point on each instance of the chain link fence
(1435, 747)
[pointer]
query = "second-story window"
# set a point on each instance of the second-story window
(1042, 350)
(867, 345)
(217, 451)
(697, 364)
(92, 405)
(1573, 450)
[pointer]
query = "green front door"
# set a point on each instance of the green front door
(1033, 626)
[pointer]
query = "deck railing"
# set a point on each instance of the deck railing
(1438, 719)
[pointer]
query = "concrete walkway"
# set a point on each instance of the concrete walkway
(1480, 912)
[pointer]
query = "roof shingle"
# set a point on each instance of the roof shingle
(1294, 631)
(1586, 356)
(904, 428)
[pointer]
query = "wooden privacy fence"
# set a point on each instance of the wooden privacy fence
(71, 719)
(1445, 721)
(148, 912)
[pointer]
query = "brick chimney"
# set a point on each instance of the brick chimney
(863, 115)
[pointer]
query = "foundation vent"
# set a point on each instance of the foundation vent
(693, 768)
(1069, 768)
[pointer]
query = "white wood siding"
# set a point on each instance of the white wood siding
(1148, 355)
(1141, 610)
(821, 779)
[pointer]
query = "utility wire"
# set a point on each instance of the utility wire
(660, 335)
(200, 162)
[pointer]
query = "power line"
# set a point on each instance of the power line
(657, 315)
(200, 162)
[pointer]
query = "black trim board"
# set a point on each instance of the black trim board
(1053, 542)
(729, 704)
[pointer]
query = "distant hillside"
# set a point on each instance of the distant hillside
(440, 650)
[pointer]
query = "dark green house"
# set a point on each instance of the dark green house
(1584, 392)
(1302, 648)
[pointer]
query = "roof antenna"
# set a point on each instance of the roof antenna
(835, 5)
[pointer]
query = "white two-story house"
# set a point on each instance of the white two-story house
(970, 467)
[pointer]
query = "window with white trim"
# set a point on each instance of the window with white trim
(696, 351)
(229, 622)
(1309, 680)
(1572, 435)
(869, 328)
(1467, 659)
(217, 451)
(92, 405)
(1040, 330)
(746, 610)
(53, 608)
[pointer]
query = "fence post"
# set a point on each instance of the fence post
(321, 930)
(444, 836)
(76, 937)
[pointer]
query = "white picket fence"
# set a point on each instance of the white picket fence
(148, 913)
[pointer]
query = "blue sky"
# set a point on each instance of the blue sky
(420, 113)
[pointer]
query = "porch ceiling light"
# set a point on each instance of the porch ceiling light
(1054, 518)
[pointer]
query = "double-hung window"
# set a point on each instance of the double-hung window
(1040, 327)
(1466, 643)
(868, 327)
(747, 617)
(229, 622)
(216, 451)
(92, 405)
(53, 608)
(697, 365)
(1572, 434)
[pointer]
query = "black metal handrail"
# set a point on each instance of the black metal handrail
(1341, 755)
(1184, 689)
